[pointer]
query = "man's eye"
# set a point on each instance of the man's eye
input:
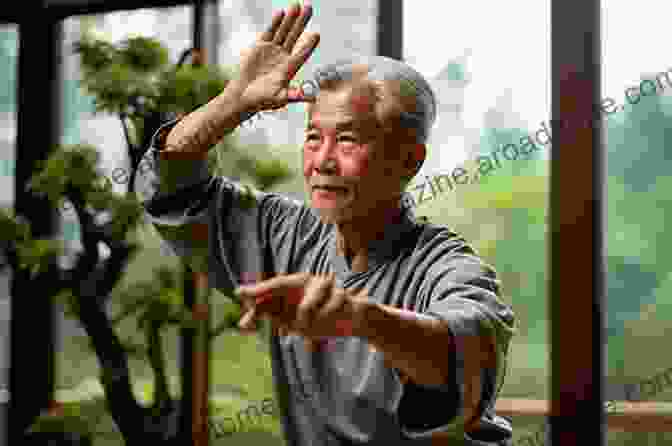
(311, 136)
(347, 138)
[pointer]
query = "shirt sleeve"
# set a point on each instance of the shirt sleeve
(234, 232)
(463, 291)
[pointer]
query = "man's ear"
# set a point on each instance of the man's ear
(415, 157)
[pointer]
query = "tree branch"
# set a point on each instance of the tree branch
(93, 279)
(121, 402)
(87, 262)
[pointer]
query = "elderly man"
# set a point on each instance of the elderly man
(418, 336)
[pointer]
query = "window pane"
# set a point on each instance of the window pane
(636, 82)
(486, 172)
(284, 129)
(233, 387)
(78, 371)
(9, 36)
(280, 134)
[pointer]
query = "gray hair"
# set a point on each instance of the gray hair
(381, 68)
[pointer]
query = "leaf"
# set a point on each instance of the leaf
(143, 54)
(38, 254)
(13, 228)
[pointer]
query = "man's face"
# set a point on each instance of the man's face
(351, 166)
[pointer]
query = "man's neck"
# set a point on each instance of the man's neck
(354, 237)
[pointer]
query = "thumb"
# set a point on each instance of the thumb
(248, 323)
(296, 94)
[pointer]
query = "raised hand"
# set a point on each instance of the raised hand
(267, 67)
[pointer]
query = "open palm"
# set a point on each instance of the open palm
(267, 67)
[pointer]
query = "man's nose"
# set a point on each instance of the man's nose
(325, 158)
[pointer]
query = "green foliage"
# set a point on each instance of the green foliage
(159, 300)
(74, 168)
(267, 172)
(13, 228)
(506, 219)
(523, 160)
(188, 88)
(264, 168)
(34, 254)
(636, 144)
(114, 75)
(66, 417)
(135, 78)
(37, 254)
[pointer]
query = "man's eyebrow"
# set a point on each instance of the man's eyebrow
(343, 125)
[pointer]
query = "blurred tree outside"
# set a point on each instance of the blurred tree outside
(135, 81)
(505, 216)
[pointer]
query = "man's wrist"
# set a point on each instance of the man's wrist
(201, 129)
(364, 319)
(237, 88)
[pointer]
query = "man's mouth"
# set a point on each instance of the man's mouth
(331, 188)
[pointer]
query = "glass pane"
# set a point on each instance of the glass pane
(78, 371)
(9, 35)
(486, 172)
(279, 134)
(283, 129)
(636, 86)
(233, 387)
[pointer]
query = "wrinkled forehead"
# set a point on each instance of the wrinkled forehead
(370, 103)
(357, 98)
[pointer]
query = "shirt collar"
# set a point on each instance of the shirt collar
(380, 250)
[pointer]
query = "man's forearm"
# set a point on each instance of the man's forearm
(201, 129)
(416, 344)
(419, 346)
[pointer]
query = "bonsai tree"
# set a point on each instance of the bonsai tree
(135, 81)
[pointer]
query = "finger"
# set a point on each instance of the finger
(296, 94)
(267, 35)
(317, 293)
(245, 300)
(248, 323)
(299, 26)
(287, 23)
(302, 52)
(335, 304)
(273, 286)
